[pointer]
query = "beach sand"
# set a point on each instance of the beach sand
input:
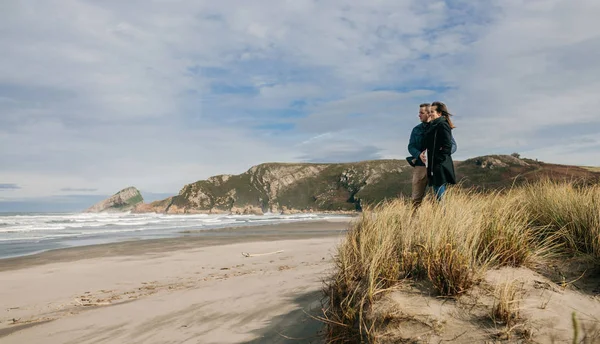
(192, 289)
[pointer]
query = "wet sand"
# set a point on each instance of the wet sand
(198, 288)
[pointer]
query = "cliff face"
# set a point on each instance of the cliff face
(292, 188)
(154, 207)
(286, 188)
(123, 200)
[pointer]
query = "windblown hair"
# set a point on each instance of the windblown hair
(443, 109)
(425, 105)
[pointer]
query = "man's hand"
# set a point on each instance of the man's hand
(423, 156)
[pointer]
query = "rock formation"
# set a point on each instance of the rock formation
(123, 200)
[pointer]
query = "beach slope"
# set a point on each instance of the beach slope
(178, 292)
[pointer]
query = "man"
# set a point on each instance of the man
(415, 147)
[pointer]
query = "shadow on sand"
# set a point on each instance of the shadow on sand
(297, 326)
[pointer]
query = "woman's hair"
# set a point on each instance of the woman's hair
(443, 109)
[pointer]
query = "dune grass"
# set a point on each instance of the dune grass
(506, 303)
(451, 244)
(570, 213)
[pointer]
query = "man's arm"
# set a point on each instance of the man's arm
(454, 146)
(414, 147)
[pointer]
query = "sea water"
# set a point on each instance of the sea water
(29, 233)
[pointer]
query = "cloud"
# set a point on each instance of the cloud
(66, 203)
(156, 94)
(331, 147)
(353, 110)
(531, 76)
(78, 190)
(9, 187)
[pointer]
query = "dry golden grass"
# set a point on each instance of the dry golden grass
(592, 168)
(506, 305)
(451, 244)
(570, 214)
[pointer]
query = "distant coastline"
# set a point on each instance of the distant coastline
(338, 188)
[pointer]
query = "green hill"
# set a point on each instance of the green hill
(299, 187)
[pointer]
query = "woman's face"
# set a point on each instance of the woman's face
(433, 114)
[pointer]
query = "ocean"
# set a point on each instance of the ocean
(29, 233)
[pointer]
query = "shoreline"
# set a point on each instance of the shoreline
(188, 289)
(187, 239)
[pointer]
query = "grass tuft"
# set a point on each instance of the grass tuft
(506, 306)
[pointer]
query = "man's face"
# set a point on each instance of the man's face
(424, 113)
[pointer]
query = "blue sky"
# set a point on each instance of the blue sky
(99, 95)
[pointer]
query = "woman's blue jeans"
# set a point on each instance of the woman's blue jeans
(439, 191)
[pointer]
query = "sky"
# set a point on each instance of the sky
(98, 95)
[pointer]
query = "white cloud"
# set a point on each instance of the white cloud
(579, 151)
(340, 147)
(106, 94)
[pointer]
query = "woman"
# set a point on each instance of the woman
(438, 147)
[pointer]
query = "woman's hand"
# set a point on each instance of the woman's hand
(423, 156)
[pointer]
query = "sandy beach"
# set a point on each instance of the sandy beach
(182, 290)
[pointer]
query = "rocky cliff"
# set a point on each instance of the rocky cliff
(289, 188)
(304, 187)
(123, 200)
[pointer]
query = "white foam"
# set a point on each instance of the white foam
(42, 227)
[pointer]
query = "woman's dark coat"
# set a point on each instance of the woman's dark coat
(438, 142)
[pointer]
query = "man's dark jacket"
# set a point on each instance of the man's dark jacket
(438, 142)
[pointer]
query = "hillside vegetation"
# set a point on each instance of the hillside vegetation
(302, 187)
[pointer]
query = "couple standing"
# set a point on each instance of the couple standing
(431, 145)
